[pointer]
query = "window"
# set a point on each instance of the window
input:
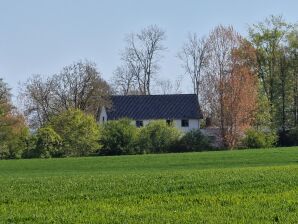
(184, 123)
(139, 124)
(169, 122)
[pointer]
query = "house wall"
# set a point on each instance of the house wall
(193, 124)
(103, 117)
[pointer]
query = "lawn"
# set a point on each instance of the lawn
(249, 186)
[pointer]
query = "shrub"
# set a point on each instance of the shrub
(79, 132)
(157, 137)
(48, 143)
(30, 149)
(118, 137)
(192, 141)
(293, 137)
(259, 139)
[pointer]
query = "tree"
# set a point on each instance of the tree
(118, 137)
(37, 97)
(141, 58)
(124, 81)
(270, 39)
(239, 95)
(229, 87)
(195, 57)
(78, 86)
(263, 118)
(223, 40)
(293, 63)
(14, 135)
(13, 129)
(79, 132)
(167, 86)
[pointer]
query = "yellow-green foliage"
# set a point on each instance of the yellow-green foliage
(79, 132)
(48, 143)
(158, 137)
(259, 139)
(118, 137)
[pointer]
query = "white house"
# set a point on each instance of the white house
(182, 110)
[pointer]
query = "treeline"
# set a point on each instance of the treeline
(247, 86)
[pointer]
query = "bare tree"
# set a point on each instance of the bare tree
(230, 86)
(77, 86)
(142, 55)
(222, 41)
(195, 57)
(80, 86)
(124, 81)
(169, 87)
(36, 96)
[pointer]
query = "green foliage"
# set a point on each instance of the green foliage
(48, 143)
(192, 141)
(275, 43)
(79, 132)
(157, 137)
(13, 129)
(118, 137)
(259, 139)
(30, 149)
(247, 186)
(263, 117)
(14, 143)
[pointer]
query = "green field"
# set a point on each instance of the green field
(250, 186)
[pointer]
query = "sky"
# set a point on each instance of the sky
(42, 36)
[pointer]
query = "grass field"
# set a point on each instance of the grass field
(250, 186)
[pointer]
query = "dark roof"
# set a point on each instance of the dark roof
(142, 107)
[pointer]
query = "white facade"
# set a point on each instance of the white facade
(192, 123)
(103, 117)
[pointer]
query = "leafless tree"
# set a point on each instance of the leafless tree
(80, 86)
(142, 55)
(77, 86)
(36, 96)
(124, 81)
(222, 41)
(169, 87)
(195, 57)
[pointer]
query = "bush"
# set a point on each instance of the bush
(157, 137)
(193, 141)
(289, 138)
(118, 137)
(259, 139)
(48, 143)
(30, 149)
(79, 132)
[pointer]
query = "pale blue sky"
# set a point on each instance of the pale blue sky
(40, 37)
